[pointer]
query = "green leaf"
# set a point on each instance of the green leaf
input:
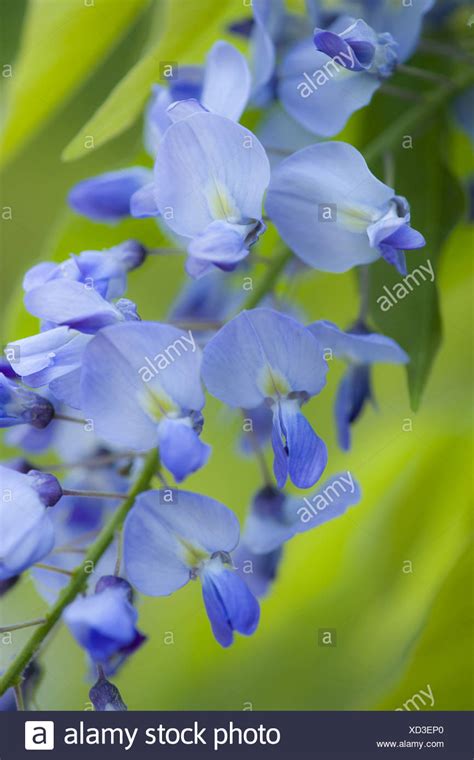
(190, 28)
(61, 44)
(407, 309)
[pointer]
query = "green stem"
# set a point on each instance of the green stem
(419, 114)
(20, 703)
(268, 281)
(80, 575)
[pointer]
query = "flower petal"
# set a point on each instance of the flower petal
(106, 198)
(209, 168)
(322, 200)
(226, 86)
(229, 603)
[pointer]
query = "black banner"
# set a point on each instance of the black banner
(325, 735)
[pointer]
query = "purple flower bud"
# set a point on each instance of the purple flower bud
(47, 487)
(19, 406)
(106, 697)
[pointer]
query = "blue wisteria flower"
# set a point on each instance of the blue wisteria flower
(72, 312)
(105, 271)
(172, 537)
(104, 623)
(360, 349)
(334, 214)
(323, 80)
(210, 177)
(222, 86)
(19, 405)
(141, 387)
(27, 533)
(403, 20)
(264, 356)
(276, 517)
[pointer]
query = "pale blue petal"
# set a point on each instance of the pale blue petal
(122, 371)
(70, 303)
(209, 168)
(159, 530)
(327, 175)
(181, 450)
(239, 361)
(181, 109)
(226, 85)
(366, 349)
(143, 202)
(324, 99)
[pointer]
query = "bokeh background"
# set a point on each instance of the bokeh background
(393, 578)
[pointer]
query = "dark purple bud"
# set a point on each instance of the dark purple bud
(19, 406)
(106, 697)
(47, 486)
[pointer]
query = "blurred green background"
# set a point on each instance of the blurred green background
(393, 578)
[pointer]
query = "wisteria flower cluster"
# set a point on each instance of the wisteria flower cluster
(122, 400)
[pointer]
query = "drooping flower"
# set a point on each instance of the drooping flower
(334, 214)
(27, 533)
(323, 80)
(360, 349)
(105, 271)
(172, 537)
(210, 177)
(19, 405)
(264, 356)
(104, 623)
(141, 387)
(54, 357)
(275, 518)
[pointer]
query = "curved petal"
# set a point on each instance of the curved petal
(27, 533)
(262, 353)
(209, 168)
(106, 198)
(306, 452)
(143, 202)
(366, 349)
(330, 187)
(319, 93)
(229, 603)
(181, 450)
(144, 369)
(226, 86)
(73, 304)
(168, 532)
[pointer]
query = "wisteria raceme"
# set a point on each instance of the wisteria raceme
(120, 407)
